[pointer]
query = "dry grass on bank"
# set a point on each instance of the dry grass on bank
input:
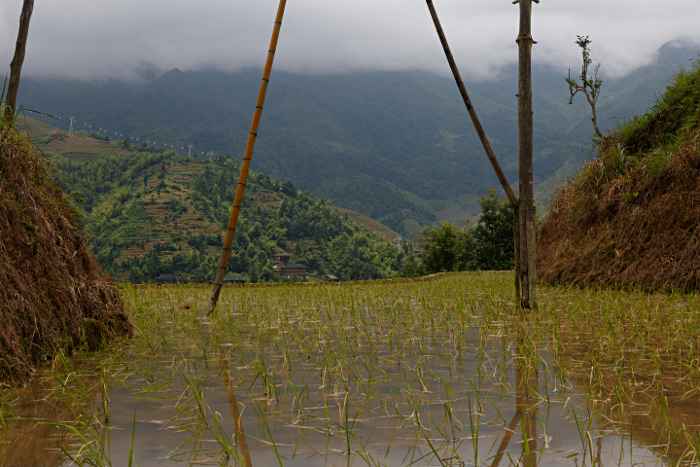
(630, 217)
(54, 295)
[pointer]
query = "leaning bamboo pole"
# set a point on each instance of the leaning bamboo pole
(487, 147)
(18, 59)
(238, 199)
(470, 108)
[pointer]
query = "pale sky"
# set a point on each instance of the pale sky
(90, 39)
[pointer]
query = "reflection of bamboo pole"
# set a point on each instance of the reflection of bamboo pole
(506, 440)
(233, 406)
(470, 108)
(238, 199)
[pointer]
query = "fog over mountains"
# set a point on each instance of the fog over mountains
(396, 146)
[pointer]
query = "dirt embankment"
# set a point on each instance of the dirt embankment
(631, 217)
(53, 294)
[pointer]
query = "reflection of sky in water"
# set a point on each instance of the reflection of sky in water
(307, 433)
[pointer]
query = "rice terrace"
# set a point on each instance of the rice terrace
(394, 302)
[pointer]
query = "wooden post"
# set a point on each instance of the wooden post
(245, 167)
(18, 59)
(516, 252)
(528, 275)
(470, 108)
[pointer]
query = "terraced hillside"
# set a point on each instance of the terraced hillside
(150, 212)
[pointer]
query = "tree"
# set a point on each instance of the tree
(289, 189)
(590, 86)
(493, 235)
(448, 249)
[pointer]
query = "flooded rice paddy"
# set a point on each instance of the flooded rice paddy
(441, 373)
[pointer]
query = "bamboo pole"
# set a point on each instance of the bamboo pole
(528, 273)
(238, 199)
(470, 108)
(18, 59)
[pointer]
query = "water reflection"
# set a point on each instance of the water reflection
(489, 401)
(31, 437)
(233, 407)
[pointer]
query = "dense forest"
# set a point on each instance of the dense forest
(151, 212)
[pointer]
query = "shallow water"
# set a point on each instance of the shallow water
(332, 385)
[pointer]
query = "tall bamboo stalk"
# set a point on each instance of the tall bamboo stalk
(528, 274)
(470, 108)
(238, 199)
(18, 59)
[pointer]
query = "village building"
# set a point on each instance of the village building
(234, 279)
(281, 259)
(170, 279)
(331, 278)
(289, 270)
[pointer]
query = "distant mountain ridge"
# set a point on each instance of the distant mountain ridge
(396, 146)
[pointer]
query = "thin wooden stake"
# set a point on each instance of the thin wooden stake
(18, 59)
(516, 253)
(470, 108)
(528, 274)
(238, 199)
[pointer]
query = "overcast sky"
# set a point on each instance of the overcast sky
(90, 39)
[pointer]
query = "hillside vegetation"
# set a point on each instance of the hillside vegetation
(631, 217)
(149, 212)
(395, 146)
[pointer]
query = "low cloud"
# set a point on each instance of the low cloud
(134, 39)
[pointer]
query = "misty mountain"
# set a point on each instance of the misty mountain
(396, 146)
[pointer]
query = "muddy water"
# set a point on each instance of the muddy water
(334, 394)
(336, 418)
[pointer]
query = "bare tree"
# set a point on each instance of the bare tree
(18, 59)
(590, 86)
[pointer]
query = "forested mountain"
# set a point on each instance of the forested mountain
(396, 146)
(148, 212)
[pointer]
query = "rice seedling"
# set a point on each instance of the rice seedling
(423, 372)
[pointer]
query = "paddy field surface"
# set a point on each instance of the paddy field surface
(445, 372)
